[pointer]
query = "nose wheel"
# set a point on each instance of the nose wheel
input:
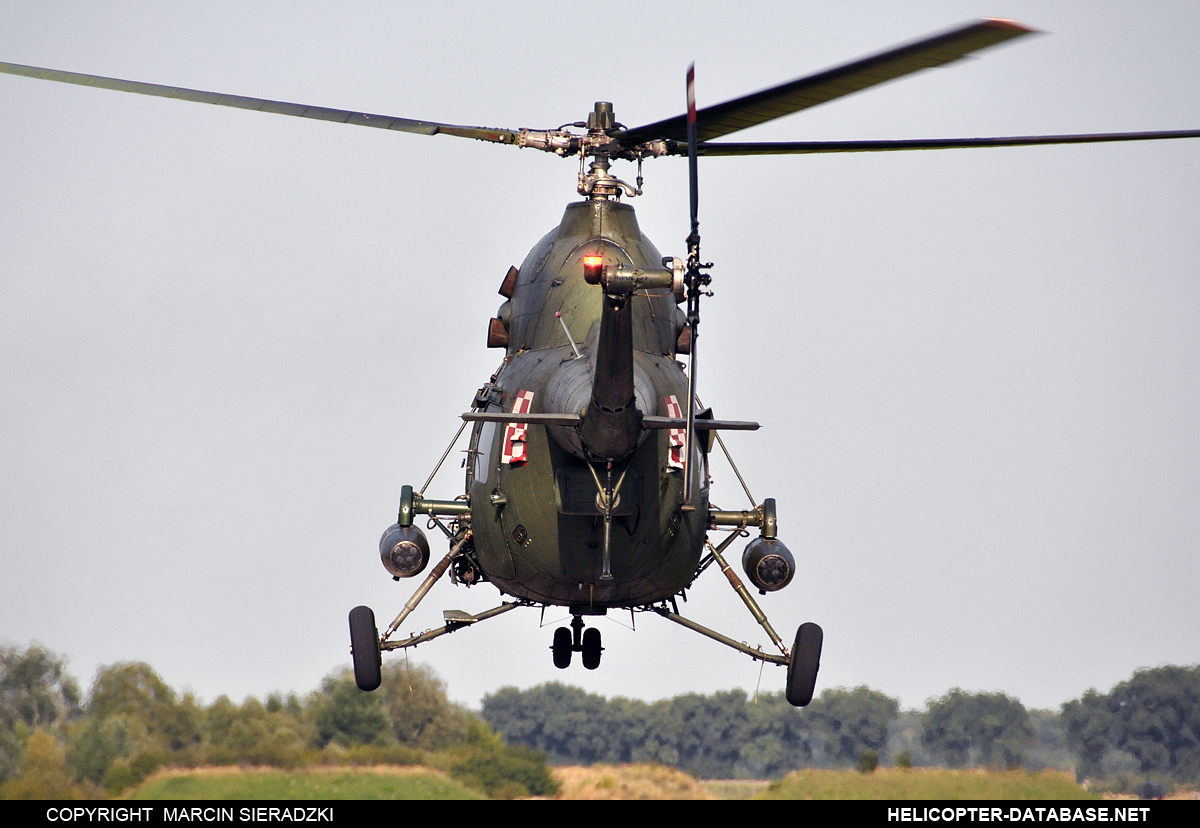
(562, 648)
(585, 642)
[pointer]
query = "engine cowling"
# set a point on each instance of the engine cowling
(404, 551)
(768, 564)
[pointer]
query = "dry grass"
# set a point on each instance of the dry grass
(737, 788)
(646, 781)
(927, 783)
(1179, 794)
(237, 770)
(322, 782)
(627, 782)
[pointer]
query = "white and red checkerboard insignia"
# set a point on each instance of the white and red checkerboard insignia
(514, 433)
(676, 436)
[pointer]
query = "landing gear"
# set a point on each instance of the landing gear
(583, 641)
(364, 646)
(562, 648)
(803, 666)
(591, 648)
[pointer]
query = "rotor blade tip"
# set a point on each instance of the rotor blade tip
(1016, 28)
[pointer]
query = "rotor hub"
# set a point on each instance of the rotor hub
(601, 144)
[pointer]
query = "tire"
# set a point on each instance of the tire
(806, 661)
(562, 648)
(591, 648)
(364, 646)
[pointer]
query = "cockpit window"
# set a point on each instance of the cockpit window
(483, 452)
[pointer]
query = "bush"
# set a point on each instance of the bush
(501, 771)
(868, 761)
(44, 773)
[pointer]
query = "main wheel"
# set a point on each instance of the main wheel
(591, 648)
(562, 648)
(364, 646)
(802, 669)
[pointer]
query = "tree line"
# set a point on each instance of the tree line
(55, 742)
(1146, 727)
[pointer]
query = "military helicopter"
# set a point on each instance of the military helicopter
(587, 475)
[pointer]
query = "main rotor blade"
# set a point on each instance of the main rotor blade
(760, 107)
(320, 113)
(806, 147)
(695, 283)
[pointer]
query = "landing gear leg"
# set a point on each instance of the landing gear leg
(583, 641)
(802, 662)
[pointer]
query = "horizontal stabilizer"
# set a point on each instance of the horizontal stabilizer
(574, 419)
(510, 417)
(701, 425)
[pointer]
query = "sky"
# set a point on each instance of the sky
(227, 338)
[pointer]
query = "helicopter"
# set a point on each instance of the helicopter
(581, 455)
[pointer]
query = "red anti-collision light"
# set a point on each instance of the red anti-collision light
(593, 266)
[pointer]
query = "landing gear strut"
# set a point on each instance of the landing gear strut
(583, 641)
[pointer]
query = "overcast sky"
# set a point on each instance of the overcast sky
(228, 338)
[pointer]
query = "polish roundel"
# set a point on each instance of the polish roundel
(513, 451)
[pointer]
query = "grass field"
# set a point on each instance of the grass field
(384, 782)
(926, 783)
(609, 782)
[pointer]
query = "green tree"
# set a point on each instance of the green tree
(1154, 718)
(135, 724)
(35, 688)
(779, 738)
(43, 773)
(254, 734)
(96, 744)
(964, 728)
(1088, 723)
(133, 689)
(852, 721)
(344, 715)
(421, 713)
(707, 732)
(637, 735)
(500, 770)
(35, 692)
(568, 724)
(1050, 748)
